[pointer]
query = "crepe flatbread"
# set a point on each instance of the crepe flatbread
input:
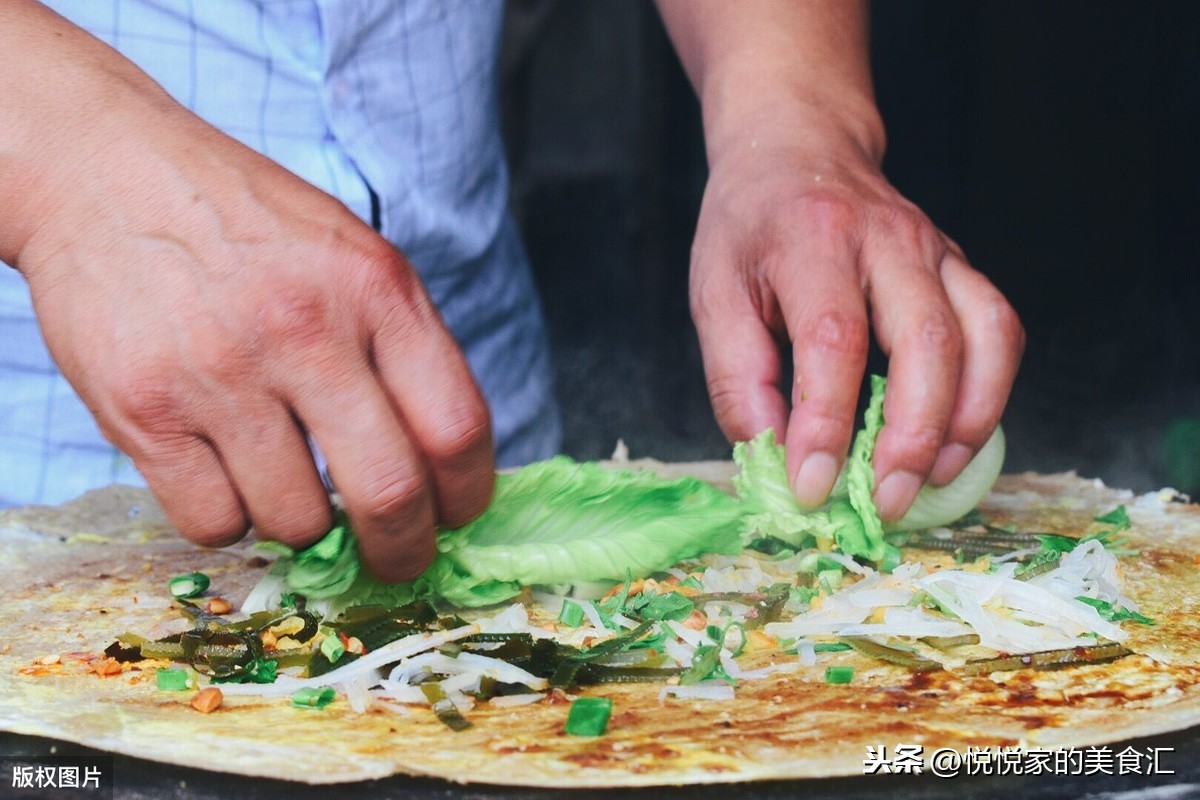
(78, 576)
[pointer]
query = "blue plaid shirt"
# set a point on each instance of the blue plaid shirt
(390, 105)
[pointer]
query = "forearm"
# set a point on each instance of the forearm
(778, 68)
(60, 88)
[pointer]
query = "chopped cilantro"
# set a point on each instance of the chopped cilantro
(656, 607)
(1113, 614)
(1118, 517)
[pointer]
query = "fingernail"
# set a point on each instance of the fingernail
(815, 478)
(950, 461)
(895, 494)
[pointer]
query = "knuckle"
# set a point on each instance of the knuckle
(296, 524)
(464, 434)
(938, 331)
(153, 403)
(728, 397)
(922, 443)
(837, 332)
(824, 425)
(297, 319)
(1003, 319)
(725, 391)
(215, 528)
(395, 496)
(825, 213)
(910, 226)
(378, 277)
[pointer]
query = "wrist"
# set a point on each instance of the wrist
(835, 122)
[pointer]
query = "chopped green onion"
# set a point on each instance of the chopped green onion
(830, 580)
(802, 595)
(891, 558)
(742, 637)
(690, 582)
(839, 674)
(310, 697)
(259, 670)
(589, 716)
(172, 680)
(332, 648)
(188, 586)
(571, 614)
(830, 647)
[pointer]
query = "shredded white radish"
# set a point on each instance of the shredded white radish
(389, 653)
(679, 651)
(1007, 614)
(468, 663)
(734, 670)
(592, 613)
(807, 652)
(691, 637)
(382, 700)
(708, 690)
(624, 621)
(357, 694)
(849, 563)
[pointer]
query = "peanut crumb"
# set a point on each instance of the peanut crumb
(219, 605)
(104, 667)
(207, 700)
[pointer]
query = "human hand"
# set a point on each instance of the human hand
(212, 310)
(801, 239)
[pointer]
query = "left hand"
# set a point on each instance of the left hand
(801, 239)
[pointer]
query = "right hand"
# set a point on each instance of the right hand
(212, 309)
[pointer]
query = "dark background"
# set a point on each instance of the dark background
(1054, 141)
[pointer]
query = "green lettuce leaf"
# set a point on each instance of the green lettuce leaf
(848, 520)
(866, 540)
(770, 507)
(555, 521)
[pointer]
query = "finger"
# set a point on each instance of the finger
(379, 475)
(191, 484)
(269, 460)
(827, 321)
(740, 357)
(993, 341)
(443, 410)
(918, 329)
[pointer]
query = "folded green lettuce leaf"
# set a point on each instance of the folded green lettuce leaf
(848, 520)
(552, 522)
